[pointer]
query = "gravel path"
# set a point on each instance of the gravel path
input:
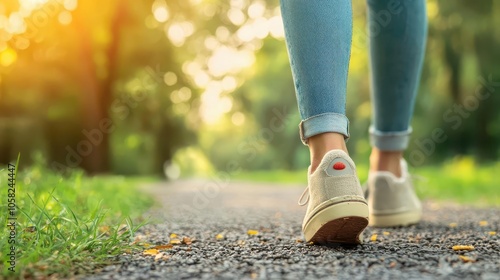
(217, 217)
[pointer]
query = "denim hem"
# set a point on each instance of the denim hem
(390, 140)
(322, 123)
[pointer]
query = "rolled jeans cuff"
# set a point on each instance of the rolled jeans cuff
(390, 140)
(322, 123)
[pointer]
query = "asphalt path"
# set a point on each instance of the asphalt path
(235, 230)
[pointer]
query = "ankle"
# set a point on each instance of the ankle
(321, 144)
(386, 161)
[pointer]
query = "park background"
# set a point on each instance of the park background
(198, 83)
(95, 95)
(187, 88)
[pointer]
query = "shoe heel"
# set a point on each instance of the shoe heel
(339, 223)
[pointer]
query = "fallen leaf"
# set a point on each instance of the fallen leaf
(175, 241)
(299, 240)
(240, 242)
(253, 275)
(252, 232)
(483, 223)
(310, 243)
(146, 245)
(173, 235)
(463, 247)
(466, 259)
(392, 264)
(452, 225)
(219, 236)
(373, 238)
(152, 252)
(166, 246)
(386, 233)
(492, 232)
(187, 240)
(158, 256)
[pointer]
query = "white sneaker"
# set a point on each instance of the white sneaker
(392, 200)
(337, 211)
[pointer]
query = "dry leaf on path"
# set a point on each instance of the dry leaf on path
(219, 236)
(175, 242)
(373, 238)
(187, 240)
(252, 232)
(151, 252)
(466, 259)
(158, 256)
(166, 246)
(463, 247)
(173, 235)
(483, 223)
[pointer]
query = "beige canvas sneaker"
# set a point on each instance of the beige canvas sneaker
(337, 211)
(392, 200)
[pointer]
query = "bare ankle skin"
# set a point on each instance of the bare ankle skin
(386, 161)
(321, 144)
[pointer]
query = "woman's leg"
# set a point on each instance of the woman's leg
(318, 36)
(398, 31)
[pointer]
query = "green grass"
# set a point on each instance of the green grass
(69, 225)
(460, 180)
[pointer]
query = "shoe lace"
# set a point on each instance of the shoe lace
(306, 195)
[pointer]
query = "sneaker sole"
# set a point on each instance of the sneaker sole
(339, 223)
(394, 220)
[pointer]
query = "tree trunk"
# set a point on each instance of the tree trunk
(97, 95)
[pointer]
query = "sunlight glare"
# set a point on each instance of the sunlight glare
(256, 10)
(70, 5)
(31, 4)
(222, 33)
(8, 57)
(245, 33)
(170, 78)
(229, 83)
(65, 18)
(176, 35)
(160, 11)
(236, 16)
(16, 24)
(238, 118)
(201, 79)
(260, 27)
(275, 25)
(161, 14)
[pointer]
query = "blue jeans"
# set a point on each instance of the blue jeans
(318, 35)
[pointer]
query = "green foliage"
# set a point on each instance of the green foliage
(459, 180)
(73, 224)
(211, 76)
